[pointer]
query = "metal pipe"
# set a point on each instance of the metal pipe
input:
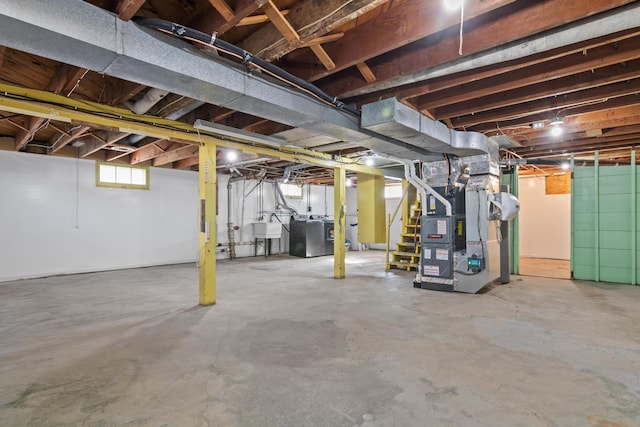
(283, 199)
(230, 228)
(291, 168)
(150, 98)
(134, 139)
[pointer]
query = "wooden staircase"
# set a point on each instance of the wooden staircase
(407, 253)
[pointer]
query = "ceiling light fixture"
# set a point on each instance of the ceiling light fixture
(232, 156)
(349, 182)
(556, 121)
(121, 148)
(369, 161)
(556, 130)
(453, 4)
(564, 165)
(221, 130)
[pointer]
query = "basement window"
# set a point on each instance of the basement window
(393, 192)
(120, 176)
(291, 191)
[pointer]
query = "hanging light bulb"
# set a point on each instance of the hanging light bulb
(232, 156)
(452, 4)
(369, 161)
(556, 130)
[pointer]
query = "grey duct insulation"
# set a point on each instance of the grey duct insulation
(150, 98)
(134, 139)
(287, 171)
(244, 56)
(86, 36)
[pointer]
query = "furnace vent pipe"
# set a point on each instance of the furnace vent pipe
(410, 175)
(283, 199)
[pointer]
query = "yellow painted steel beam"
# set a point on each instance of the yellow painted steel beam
(339, 221)
(48, 105)
(207, 235)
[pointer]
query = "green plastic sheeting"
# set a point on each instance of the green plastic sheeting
(604, 224)
(511, 180)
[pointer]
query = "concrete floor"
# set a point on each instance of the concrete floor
(544, 267)
(286, 345)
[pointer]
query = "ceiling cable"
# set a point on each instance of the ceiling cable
(461, 26)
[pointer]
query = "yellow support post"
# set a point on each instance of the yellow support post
(339, 220)
(207, 252)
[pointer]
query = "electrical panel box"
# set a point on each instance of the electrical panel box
(436, 229)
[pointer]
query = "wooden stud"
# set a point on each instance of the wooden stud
(280, 22)
(322, 55)
(75, 134)
(324, 39)
(223, 9)
(258, 19)
(366, 72)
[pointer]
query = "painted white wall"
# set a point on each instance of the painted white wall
(54, 220)
(545, 221)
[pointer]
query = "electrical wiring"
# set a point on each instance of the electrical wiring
(245, 57)
(95, 109)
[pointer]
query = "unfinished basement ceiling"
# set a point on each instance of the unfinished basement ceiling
(519, 66)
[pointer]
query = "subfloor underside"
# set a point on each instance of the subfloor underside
(287, 345)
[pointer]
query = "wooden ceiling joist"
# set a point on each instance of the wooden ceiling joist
(404, 23)
(602, 56)
(517, 24)
(74, 133)
(313, 19)
(553, 88)
(64, 76)
(589, 96)
(126, 9)
(171, 156)
(223, 9)
(210, 24)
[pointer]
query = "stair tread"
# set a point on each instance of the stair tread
(403, 264)
(403, 253)
(406, 244)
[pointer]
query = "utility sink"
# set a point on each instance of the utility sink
(267, 230)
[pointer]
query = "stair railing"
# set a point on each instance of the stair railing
(390, 219)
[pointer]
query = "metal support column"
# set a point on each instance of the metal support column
(573, 215)
(340, 221)
(207, 241)
(514, 231)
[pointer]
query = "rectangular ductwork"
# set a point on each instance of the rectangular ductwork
(395, 120)
(78, 33)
